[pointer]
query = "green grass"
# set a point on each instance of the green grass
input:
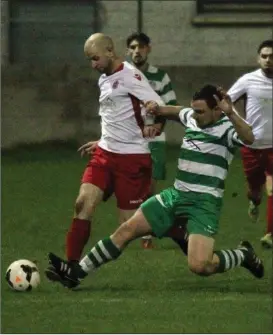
(149, 291)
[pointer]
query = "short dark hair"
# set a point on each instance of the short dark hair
(140, 37)
(206, 93)
(265, 44)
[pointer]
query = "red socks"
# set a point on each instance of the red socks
(76, 238)
(269, 214)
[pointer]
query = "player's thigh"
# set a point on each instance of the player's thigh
(200, 251)
(204, 215)
(135, 227)
(160, 215)
(158, 154)
(132, 181)
(253, 165)
(98, 173)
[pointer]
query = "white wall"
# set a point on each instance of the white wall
(177, 42)
(121, 21)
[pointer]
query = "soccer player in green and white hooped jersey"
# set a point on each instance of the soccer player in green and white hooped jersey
(138, 49)
(213, 130)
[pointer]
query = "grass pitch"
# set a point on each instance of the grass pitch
(145, 291)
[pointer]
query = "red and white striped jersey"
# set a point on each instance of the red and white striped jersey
(122, 115)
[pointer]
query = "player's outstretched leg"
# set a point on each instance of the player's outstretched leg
(244, 256)
(70, 273)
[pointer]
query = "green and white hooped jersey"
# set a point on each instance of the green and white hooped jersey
(205, 155)
(161, 83)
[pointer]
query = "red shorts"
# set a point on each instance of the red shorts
(128, 176)
(257, 164)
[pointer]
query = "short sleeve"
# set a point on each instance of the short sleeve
(238, 89)
(139, 87)
(233, 138)
(185, 115)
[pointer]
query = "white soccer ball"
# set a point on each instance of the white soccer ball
(23, 275)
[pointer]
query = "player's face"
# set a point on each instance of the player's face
(138, 52)
(265, 59)
(203, 115)
(99, 60)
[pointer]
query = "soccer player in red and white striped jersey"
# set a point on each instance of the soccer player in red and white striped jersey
(121, 161)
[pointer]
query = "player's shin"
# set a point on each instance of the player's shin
(103, 252)
(76, 238)
(229, 259)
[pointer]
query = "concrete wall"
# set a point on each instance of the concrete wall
(177, 42)
(64, 106)
(42, 103)
(4, 32)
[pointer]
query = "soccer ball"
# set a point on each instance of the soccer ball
(23, 275)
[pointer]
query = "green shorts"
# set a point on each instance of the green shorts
(158, 153)
(201, 210)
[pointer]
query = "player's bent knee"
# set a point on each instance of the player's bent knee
(79, 205)
(198, 267)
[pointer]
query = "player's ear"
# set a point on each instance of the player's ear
(110, 52)
(149, 48)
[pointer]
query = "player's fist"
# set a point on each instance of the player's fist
(152, 107)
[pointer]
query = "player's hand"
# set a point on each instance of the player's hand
(151, 131)
(88, 148)
(152, 107)
(225, 104)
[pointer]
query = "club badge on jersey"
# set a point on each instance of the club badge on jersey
(137, 76)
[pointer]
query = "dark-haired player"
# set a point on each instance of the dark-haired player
(213, 130)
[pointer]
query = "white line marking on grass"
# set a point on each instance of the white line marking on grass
(37, 300)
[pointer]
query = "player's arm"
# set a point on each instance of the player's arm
(238, 93)
(167, 112)
(242, 129)
(238, 89)
(140, 88)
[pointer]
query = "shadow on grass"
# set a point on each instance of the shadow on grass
(240, 286)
